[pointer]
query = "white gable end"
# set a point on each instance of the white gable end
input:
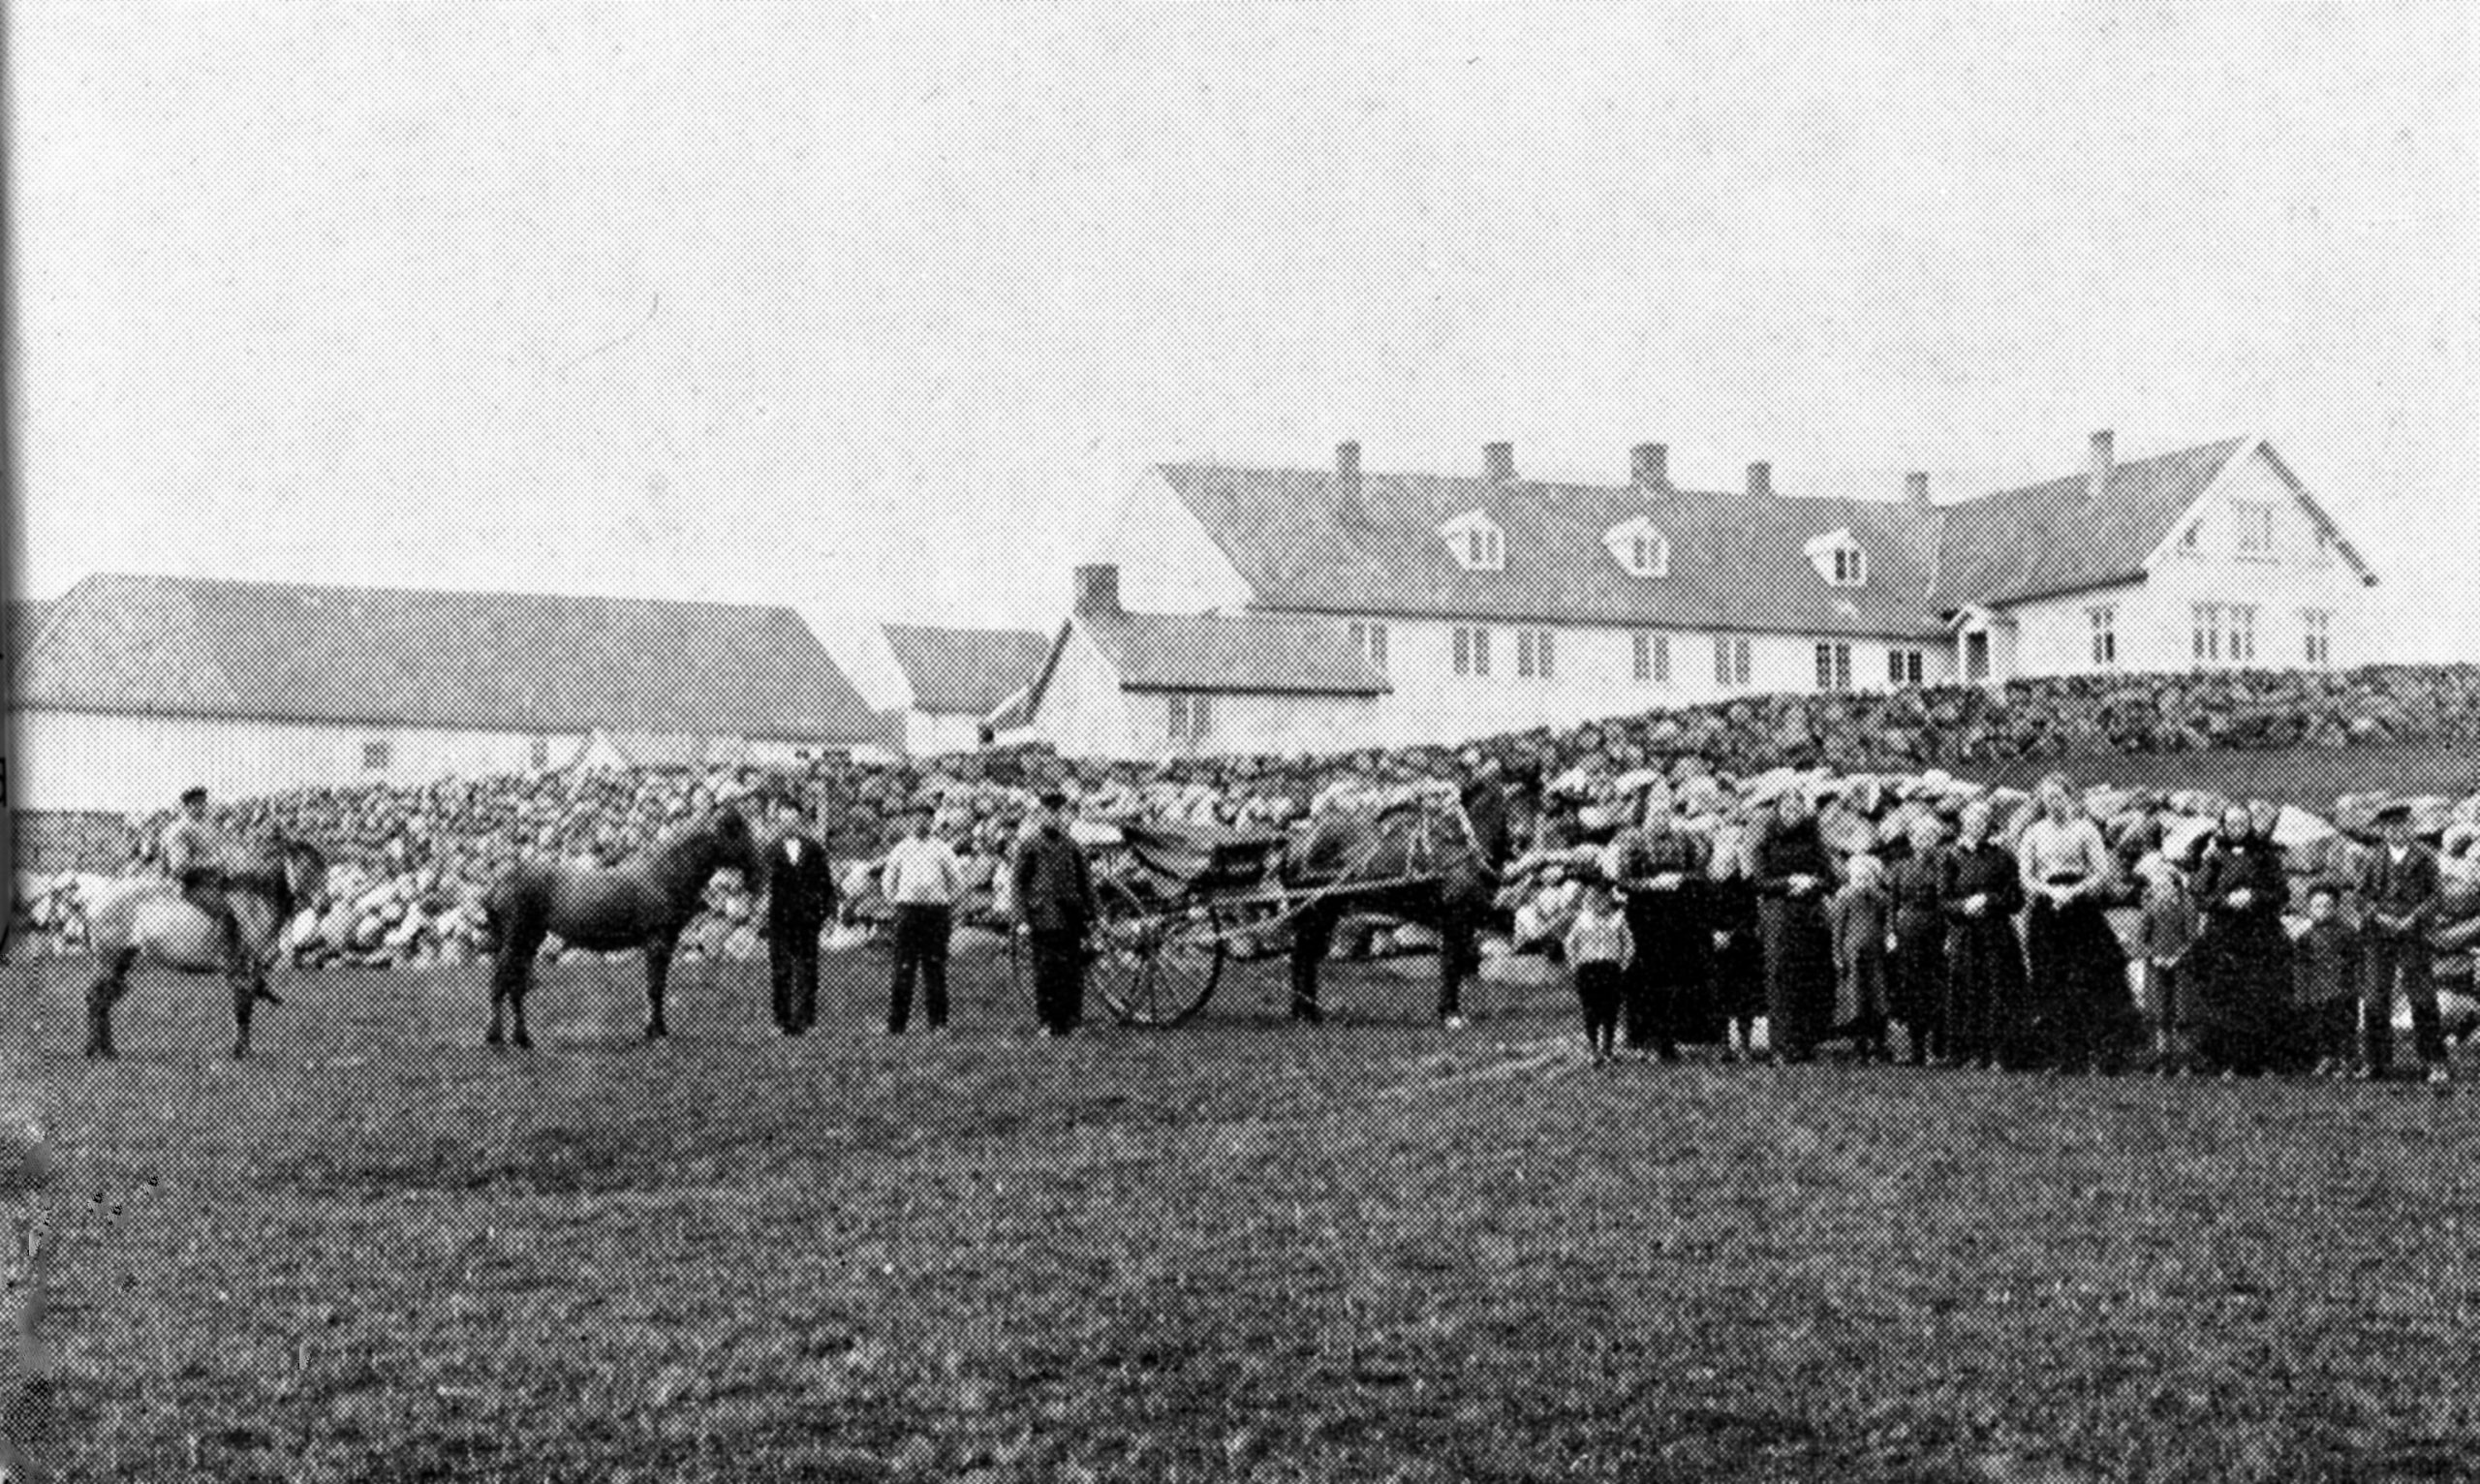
(1639, 547)
(1476, 541)
(1839, 558)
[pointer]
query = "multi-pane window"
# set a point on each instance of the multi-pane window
(1652, 658)
(1534, 659)
(2104, 622)
(374, 754)
(2317, 631)
(1485, 549)
(1650, 556)
(2224, 633)
(2255, 532)
(1192, 717)
(1472, 650)
(1370, 639)
(1833, 667)
(1906, 666)
(1730, 661)
(1850, 566)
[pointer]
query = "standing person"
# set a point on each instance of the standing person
(1664, 879)
(800, 896)
(1737, 990)
(2075, 968)
(1862, 919)
(2241, 954)
(2325, 984)
(1794, 872)
(2166, 927)
(1483, 798)
(2398, 889)
(1600, 949)
(1917, 970)
(1982, 892)
(193, 855)
(1054, 892)
(922, 878)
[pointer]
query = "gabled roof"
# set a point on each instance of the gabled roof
(2047, 540)
(516, 661)
(1231, 654)
(964, 671)
(26, 618)
(1736, 558)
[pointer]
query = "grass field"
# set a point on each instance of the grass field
(1232, 1250)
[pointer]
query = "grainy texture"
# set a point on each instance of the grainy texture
(1239, 1251)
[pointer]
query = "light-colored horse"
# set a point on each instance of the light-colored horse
(147, 919)
(642, 903)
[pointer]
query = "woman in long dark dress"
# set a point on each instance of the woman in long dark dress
(1983, 890)
(2242, 956)
(1916, 977)
(2075, 968)
(1662, 875)
(1737, 964)
(1794, 875)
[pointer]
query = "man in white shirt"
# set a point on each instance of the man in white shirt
(921, 878)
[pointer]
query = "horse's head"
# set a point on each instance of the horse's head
(733, 844)
(305, 873)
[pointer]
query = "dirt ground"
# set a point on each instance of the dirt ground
(1232, 1250)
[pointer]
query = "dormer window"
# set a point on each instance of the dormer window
(1476, 541)
(1840, 559)
(1639, 547)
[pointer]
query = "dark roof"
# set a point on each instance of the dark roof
(1738, 561)
(1236, 652)
(26, 618)
(382, 656)
(964, 670)
(2049, 538)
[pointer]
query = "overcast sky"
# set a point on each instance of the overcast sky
(878, 311)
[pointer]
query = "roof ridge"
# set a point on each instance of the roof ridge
(187, 581)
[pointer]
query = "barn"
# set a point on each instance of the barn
(130, 687)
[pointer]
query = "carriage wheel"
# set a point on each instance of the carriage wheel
(1156, 965)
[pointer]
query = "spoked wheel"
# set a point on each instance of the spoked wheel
(1156, 963)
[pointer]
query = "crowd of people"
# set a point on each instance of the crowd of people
(1953, 948)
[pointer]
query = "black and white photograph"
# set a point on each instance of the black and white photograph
(1077, 741)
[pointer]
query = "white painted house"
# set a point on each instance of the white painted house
(950, 681)
(1498, 602)
(133, 687)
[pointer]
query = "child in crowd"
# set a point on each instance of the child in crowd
(2325, 968)
(1600, 947)
(2167, 926)
(1861, 916)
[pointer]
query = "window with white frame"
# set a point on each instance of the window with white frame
(1191, 716)
(2255, 521)
(1833, 667)
(1370, 639)
(1535, 657)
(2316, 635)
(1472, 650)
(2224, 633)
(2104, 620)
(374, 755)
(1476, 541)
(2241, 633)
(1730, 661)
(1840, 559)
(1638, 546)
(1652, 658)
(1906, 666)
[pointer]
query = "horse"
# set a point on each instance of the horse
(642, 903)
(1416, 859)
(148, 918)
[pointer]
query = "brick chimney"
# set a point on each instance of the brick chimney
(1348, 483)
(2096, 483)
(1648, 468)
(1915, 486)
(1097, 588)
(1761, 479)
(1498, 462)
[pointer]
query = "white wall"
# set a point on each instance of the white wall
(931, 733)
(1168, 563)
(1083, 712)
(1258, 723)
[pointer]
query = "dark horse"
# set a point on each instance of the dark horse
(146, 918)
(1417, 860)
(642, 903)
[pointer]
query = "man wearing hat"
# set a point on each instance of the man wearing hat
(2397, 888)
(800, 896)
(1054, 889)
(921, 878)
(192, 851)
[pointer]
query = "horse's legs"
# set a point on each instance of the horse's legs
(658, 964)
(510, 973)
(109, 986)
(1312, 932)
(245, 999)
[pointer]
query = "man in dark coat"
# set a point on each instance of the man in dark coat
(1054, 888)
(2398, 889)
(800, 896)
(1485, 804)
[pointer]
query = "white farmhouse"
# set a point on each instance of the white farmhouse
(1494, 603)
